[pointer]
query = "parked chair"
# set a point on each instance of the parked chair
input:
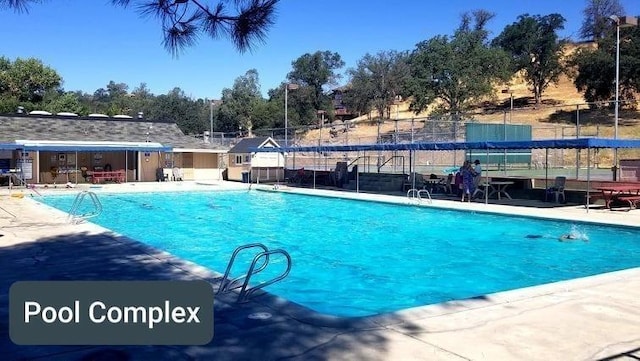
(177, 174)
(160, 175)
(341, 174)
(480, 187)
(84, 171)
(414, 181)
(557, 190)
(445, 184)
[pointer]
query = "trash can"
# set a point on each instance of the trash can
(245, 177)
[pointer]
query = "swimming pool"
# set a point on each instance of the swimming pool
(358, 258)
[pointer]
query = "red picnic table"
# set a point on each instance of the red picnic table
(624, 192)
(114, 176)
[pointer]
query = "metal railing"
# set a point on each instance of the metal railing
(74, 217)
(228, 285)
(414, 194)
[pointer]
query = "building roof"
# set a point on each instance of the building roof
(247, 144)
(54, 128)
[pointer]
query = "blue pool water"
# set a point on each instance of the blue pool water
(356, 258)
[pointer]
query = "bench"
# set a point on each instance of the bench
(630, 198)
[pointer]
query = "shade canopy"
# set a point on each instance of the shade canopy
(578, 143)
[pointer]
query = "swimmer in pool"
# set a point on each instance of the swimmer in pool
(572, 237)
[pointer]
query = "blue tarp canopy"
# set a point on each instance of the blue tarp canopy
(578, 143)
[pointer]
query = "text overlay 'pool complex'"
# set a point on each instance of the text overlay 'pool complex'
(111, 312)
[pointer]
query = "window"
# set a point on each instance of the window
(238, 159)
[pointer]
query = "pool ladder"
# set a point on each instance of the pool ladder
(242, 282)
(416, 194)
(74, 217)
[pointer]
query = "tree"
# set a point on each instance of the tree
(377, 81)
(27, 80)
(595, 67)
(184, 20)
(535, 48)
(316, 71)
(18, 5)
(596, 22)
(456, 71)
(177, 107)
(113, 100)
(65, 102)
(241, 103)
(141, 99)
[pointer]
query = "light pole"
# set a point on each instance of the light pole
(211, 122)
(621, 22)
(504, 123)
(287, 87)
(321, 113)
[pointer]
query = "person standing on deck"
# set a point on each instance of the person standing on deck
(468, 180)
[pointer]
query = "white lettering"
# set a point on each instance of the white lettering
(155, 316)
(49, 314)
(92, 312)
(114, 311)
(152, 316)
(193, 314)
(177, 315)
(31, 308)
(68, 317)
(133, 311)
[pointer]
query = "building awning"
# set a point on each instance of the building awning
(9, 146)
(96, 146)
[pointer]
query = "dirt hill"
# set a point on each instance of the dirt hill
(562, 107)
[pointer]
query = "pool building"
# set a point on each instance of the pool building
(54, 149)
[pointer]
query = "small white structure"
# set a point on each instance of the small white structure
(39, 112)
(245, 165)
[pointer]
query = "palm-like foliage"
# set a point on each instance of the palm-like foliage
(244, 22)
(183, 20)
(18, 5)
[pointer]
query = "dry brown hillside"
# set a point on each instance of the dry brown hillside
(556, 117)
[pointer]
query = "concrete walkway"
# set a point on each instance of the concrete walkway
(594, 318)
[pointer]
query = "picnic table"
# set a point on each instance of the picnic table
(103, 176)
(623, 192)
(498, 188)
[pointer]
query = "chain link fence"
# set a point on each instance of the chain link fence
(548, 121)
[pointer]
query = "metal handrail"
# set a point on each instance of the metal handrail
(226, 285)
(246, 293)
(388, 160)
(416, 194)
(75, 218)
(367, 164)
(9, 213)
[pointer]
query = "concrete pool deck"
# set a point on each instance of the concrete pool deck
(593, 318)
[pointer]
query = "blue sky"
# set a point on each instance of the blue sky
(91, 42)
